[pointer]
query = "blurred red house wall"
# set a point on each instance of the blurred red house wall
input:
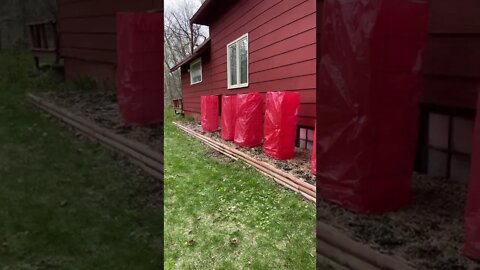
(87, 36)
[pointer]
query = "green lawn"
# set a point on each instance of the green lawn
(225, 215)
(66, 203)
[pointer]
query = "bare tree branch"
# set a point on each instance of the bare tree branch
(178, 37)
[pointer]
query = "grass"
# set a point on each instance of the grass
(66, 203)
(221, 214)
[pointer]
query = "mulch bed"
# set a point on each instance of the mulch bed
(102, 108)
(429, 232)
(299, 166)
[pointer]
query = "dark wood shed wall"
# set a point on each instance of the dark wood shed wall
(452, 62)
(282, 53)
(87, 31)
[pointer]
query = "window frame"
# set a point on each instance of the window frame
(238, 85)
(306, 140)
(198, 60)
(447, 150)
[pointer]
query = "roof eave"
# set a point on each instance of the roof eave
(204, 47)
(210, 10)
(197, 17)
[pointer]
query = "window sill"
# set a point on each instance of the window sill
(195, 83)
(231, 87)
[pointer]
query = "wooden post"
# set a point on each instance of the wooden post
(43, 32)
(56, 41)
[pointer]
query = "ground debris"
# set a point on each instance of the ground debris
(234, 242)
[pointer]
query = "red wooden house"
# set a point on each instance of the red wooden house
(88, 39)
(255, 46)
(271, 46)
(451, 85)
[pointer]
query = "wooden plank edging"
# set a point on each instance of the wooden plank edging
(343, 250)
(140, 154)
(305, 189)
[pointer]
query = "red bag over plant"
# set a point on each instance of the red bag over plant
(209, 112)
(228, 117)
(314, 154)
(472, 209)
(140, 67)
(281, 124)
(249, 122)
(370, 81)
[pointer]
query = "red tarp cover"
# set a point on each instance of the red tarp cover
(228, 117)
(370, 82)
(472, 210)
(209, 113)
(281, 124)
(140, 67)
(249, 122)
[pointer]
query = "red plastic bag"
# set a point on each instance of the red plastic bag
(281, 124)
(370, 81)
(140, 67)
(228, 117)
(209, 113)
(249, 122)
(314, 154)
(472, 209)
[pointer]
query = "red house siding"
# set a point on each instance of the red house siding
(452, 60)
(282, 53)
(451, 85)
(87, 30)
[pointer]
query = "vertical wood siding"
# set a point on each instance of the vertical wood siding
(282, 53)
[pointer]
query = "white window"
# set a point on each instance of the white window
(305, 138)
(196, 71)
(237, 63)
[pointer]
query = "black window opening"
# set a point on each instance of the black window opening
(305, 138)
(448, 145)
